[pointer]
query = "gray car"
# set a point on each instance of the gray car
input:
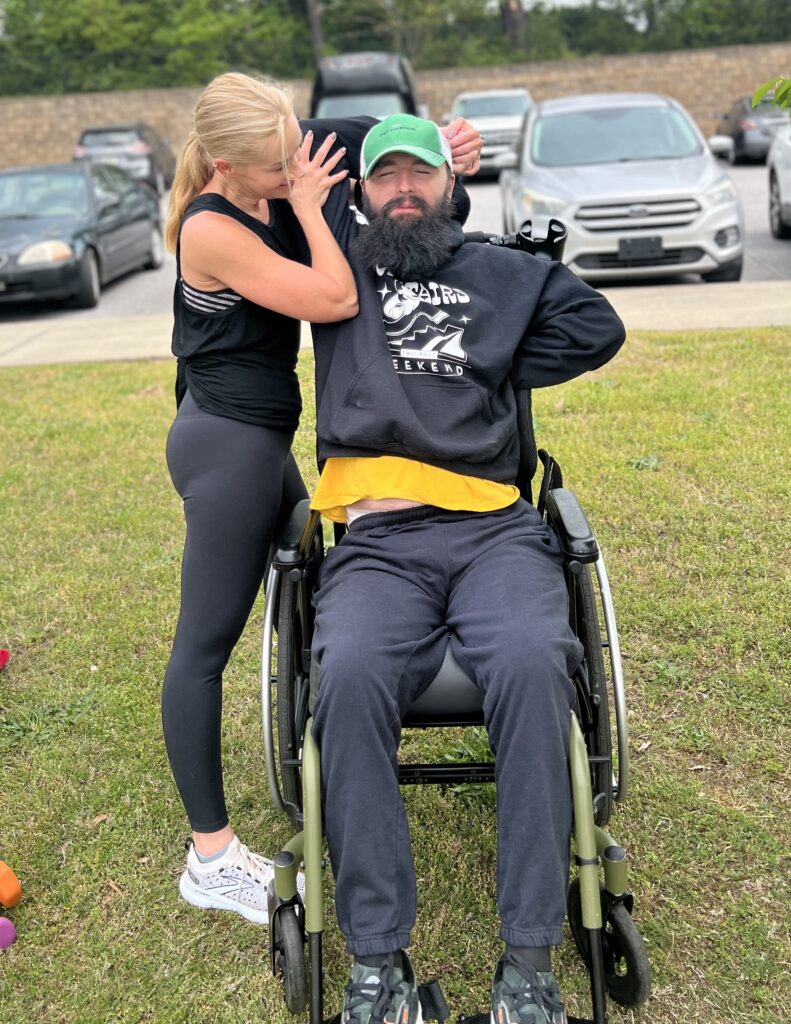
(779, 164)
(751, 128)
(635, 183)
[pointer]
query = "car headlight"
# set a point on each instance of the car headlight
(547, 206)
(722, 191)
(51, 251)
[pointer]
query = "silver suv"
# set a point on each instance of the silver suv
(498, 115)
(636, 184)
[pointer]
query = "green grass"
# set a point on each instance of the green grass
(677, 451)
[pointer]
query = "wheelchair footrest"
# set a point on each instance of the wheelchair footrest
(432, 1002)
(485, 1018)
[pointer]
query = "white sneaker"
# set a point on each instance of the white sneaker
(237, 881)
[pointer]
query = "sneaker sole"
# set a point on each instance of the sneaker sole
(198, 898)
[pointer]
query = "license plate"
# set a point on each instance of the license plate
(649, 248)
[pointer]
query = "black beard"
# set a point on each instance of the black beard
(411, 247)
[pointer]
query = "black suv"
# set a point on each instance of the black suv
(135, 148)
(377, 84)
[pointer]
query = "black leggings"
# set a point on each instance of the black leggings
(237, 481)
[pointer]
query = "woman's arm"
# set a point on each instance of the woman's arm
(219, 251)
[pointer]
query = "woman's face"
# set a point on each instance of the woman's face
(268, 178)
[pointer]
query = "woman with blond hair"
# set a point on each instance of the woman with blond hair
(254, 255)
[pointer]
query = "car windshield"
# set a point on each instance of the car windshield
(374, 104)
(613, 134)
(767, 108)
(492, 106)
(115, 137)
(43, 194)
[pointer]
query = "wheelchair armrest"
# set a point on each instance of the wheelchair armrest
(292, 544)
(566, 517)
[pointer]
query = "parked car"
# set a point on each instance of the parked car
(751, 128)
(135, 148)
(498, 116)
(635, 183)
(373, 83)
(779, 164)
(67, 229)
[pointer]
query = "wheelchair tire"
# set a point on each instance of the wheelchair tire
(594, 705)
(294, 629)
(290, 959)
(627, 970)
(293, 688)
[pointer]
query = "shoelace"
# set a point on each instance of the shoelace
(363, 993)
(263, 865)
(545, 997)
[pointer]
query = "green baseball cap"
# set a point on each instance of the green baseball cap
(404, 133)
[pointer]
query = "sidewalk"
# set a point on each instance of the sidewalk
(78, 339)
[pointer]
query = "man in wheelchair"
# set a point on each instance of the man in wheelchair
(418, 444)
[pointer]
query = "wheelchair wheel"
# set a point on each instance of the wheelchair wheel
(290, 959)
(294, 633)
(591, 682)
(627, 971)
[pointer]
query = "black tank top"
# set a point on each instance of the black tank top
(238, 359)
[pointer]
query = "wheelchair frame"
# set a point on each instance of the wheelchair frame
(599, 915)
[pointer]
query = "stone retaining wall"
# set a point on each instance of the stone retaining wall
(43, 129)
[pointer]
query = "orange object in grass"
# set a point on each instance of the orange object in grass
(10, 889)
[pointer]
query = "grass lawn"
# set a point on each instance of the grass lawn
(678, 452)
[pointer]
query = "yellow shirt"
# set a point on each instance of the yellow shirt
(344, 481)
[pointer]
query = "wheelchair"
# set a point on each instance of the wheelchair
(599, 913)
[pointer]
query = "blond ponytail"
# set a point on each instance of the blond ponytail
(235, 117)
(193, 171)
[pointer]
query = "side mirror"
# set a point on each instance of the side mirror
(721, 145)
(108, 208)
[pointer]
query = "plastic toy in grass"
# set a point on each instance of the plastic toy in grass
(10, 895)
(10, 889)
(7, 933)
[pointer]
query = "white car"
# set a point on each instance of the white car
(635, 183)
(779, 164)
(498, 116)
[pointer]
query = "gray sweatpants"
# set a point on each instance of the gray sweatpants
(393, 593)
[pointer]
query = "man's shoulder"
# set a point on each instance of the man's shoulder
(500, 260)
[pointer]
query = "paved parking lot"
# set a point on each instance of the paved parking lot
(133, 318)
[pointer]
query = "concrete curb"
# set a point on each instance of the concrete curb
(681, 307)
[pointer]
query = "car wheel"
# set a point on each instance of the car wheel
(727, 272)
(90, 285)
(156, 250)
(778, 226)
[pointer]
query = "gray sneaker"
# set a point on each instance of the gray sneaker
(382, 995)
(523, 995)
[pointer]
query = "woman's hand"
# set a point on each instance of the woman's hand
(465, 146)
(313, 177)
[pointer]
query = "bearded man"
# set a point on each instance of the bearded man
(418, 447)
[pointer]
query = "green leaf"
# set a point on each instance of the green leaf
(762, 90)
(783, 93)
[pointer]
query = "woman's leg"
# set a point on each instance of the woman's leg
(230, 476)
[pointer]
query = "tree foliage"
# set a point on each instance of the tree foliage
(52, 46)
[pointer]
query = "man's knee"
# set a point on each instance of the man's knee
(351, 683)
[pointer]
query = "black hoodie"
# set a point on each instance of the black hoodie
(427, 370)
